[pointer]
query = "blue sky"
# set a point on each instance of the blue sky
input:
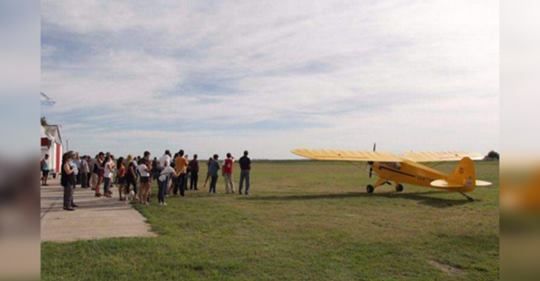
(219, 76)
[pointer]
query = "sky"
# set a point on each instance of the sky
(270, 76)
(19, 79)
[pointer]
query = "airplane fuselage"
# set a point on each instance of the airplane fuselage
(407, 172)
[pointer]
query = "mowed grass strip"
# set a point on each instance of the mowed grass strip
(304, 221)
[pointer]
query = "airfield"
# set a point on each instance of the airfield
(304, 220)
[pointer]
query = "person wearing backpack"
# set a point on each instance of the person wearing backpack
(228, 173)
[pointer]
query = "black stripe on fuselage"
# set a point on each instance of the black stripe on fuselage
(396, 171)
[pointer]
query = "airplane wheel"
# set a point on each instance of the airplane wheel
(399, 188)
(370, 188)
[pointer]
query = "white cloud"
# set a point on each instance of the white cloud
(352, 72)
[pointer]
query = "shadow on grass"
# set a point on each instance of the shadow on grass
(423, 198)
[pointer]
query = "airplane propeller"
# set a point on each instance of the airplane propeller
(370, 163)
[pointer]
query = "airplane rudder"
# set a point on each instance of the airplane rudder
(465, 172)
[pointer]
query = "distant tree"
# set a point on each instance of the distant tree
(492, 155)
(44, 121)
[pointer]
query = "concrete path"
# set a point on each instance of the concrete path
(95, 218)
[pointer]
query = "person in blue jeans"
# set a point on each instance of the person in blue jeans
(166, 173)
(213, 169)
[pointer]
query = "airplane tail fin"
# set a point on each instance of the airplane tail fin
(464, 174)
(463, 177)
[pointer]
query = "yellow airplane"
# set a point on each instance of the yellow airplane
(406, 169)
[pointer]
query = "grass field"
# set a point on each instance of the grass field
(304, 221)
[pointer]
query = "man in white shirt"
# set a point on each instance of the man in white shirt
(166, 173)
(166, 158)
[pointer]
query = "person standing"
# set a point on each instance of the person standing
(68, 180)
(144, 171)
(172, 184)
(44, 169)
(208, 176)
(156, 169)
(245, 169)
(93, 175)
(99, 169)
(131, 175)
(121, 176)
(165, 158)
(85, 169)
(180, 167)
(165, 175)
(77, 163)
(194, 170)
(107, 176)
(213, 169)
(227, 173)
(188, 174)
(148, 161)
(146, 157)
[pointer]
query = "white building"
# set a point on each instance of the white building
(51, 143)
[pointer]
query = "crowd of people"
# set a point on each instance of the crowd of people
(134, 176)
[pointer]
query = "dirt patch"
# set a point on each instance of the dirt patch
(446, 268)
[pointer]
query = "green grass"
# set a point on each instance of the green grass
(304, 221)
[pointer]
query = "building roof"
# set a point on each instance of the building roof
(52, 132)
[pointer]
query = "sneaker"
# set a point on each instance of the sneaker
(69, 209)
(74, 205)
(164, 203)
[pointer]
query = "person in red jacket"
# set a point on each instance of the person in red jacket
(227, 173)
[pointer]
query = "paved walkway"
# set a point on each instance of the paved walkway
(95, 218)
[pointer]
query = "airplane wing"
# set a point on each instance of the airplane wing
(347, 155)
(440, 156)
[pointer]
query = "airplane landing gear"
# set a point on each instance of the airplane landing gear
(468, 197)
(399, 188)
(370, 188)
